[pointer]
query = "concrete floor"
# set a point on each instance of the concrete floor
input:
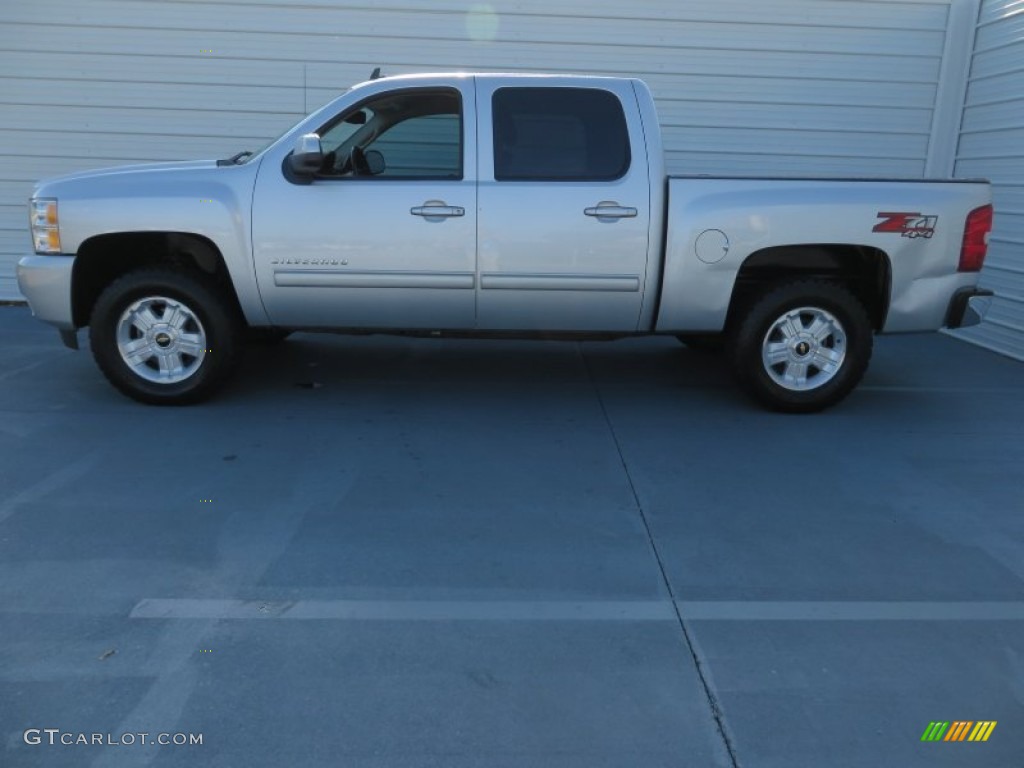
(391, 552)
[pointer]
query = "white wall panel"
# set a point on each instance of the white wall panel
(789, 87)
(992, 146)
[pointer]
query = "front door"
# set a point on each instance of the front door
(385, 235)
(564, 206)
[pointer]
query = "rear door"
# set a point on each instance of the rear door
(564, 205)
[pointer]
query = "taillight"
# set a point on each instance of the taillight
(972, 252)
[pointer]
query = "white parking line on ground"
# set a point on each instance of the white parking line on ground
(842, 610)
(596, 610)
(405, 610)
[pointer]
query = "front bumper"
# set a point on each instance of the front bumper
(46, 282)
(968, 307)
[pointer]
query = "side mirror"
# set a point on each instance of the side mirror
(375, 162)
(307, 157)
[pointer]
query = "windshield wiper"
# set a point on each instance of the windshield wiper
(235, 159)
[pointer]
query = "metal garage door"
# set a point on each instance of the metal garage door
(992, 146)
(780, 86)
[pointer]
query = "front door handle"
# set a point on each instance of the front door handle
(608, 209)
(437, 209)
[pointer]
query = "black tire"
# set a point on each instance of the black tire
(844, 352)
(211, 328)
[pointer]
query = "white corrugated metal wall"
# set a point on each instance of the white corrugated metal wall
(779, 86)
(992, 145)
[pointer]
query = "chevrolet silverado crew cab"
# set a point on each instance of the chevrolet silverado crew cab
(501, 206)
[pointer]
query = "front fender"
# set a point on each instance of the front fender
(213, 202)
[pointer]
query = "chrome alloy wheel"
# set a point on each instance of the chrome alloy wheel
(804, 349)
(161, 340)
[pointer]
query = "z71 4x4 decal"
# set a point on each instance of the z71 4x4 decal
(907, 224)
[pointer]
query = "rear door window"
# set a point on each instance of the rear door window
(559, 134)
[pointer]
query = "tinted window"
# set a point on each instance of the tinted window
(421, 146)
(418, 133)
(559, 134)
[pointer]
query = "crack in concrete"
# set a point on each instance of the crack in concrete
(703, 673)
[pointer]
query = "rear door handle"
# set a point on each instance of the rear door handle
(608, 209)
(437, 209)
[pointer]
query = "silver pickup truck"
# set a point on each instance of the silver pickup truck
(495, 205)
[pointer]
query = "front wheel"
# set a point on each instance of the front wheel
(802, 347)
(163, 337)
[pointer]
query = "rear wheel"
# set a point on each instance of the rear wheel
(163, 337)
(802, 347)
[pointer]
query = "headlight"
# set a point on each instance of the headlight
(45, 229)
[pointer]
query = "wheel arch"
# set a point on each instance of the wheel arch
(865, 271)
(101, 259)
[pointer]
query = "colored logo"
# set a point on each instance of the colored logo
(958, 730)
(912, 225)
